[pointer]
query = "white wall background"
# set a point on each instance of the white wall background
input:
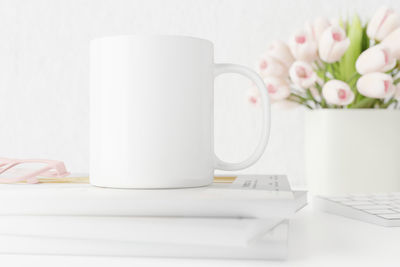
(44, 69)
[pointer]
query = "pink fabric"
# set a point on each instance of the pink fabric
(53, 168)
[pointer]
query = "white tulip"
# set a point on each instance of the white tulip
(303, 47)
(269, 66)
(281, 52)
(376, 85)
(392, 42)
(302, 74)
(337, 92)
(317, 27)
(375, 59)
(278, 88)
(384, 21)
(333, 44)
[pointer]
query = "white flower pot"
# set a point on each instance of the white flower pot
(352, 151)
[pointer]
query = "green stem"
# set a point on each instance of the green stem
(310, 97)
(323, 101)
(299, 99)
(387, 104)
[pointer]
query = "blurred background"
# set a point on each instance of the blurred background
(44, 81)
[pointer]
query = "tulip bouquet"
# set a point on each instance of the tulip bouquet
(336, 64)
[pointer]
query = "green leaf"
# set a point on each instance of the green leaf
(365, 39)
(355, 76)
(320, 73)
(365, 103)
(348, 61)
(359, 97)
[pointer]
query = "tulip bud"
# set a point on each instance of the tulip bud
(303, 47)
(281, 52)
(376, 85)
(278, 88)
(375, 59)
(383, 23)
(392, 42)
(337, 92)
(317, 27)
(302, 74)
(269, 66)
(333, 44)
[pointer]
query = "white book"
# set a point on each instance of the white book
(252, 196)
(163, 230)
(160, 237)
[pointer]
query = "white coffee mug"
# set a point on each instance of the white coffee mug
(151, 105)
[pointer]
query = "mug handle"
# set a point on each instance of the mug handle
(266, 117)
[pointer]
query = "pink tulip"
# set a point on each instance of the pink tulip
(278, 88)
(333, 44)
(253, 96)
(375, 59)
(392, 42)
(302, 74)
(269, 66)
(337, 92)
(383, 23)
(317, 27)
(281, 52)
(376, 85)
(303, 47)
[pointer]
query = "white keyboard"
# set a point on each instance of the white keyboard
(381, 209)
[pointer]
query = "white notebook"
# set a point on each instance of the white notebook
(195, 239)
(162, 230)
(252, 196)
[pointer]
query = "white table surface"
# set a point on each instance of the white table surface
(316, 239)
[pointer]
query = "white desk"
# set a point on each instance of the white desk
(316, 239)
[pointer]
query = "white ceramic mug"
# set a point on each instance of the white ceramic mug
(151, 105)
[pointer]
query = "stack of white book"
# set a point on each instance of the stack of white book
(245, 216)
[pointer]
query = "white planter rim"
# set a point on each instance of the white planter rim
(358, 110)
